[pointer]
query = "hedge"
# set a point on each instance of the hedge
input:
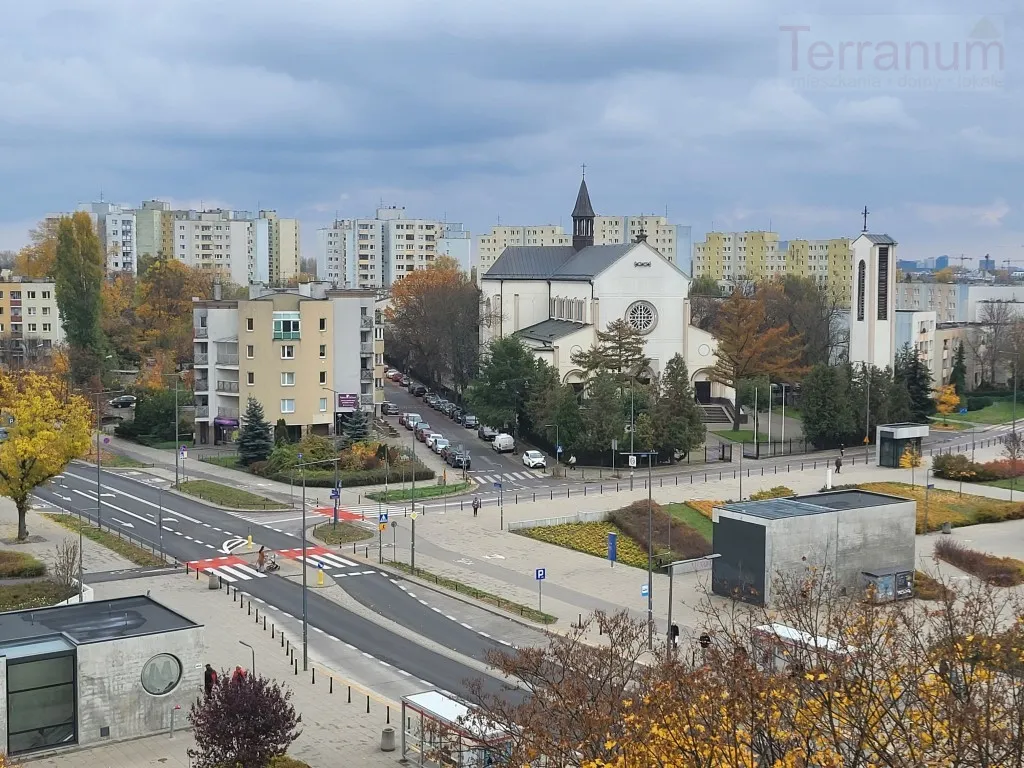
(977, 403)
(319, 479)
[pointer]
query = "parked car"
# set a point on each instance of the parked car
(459, 460)
(487, 433)
(396, 377)
(388, 408)
(447, 450)
(430, 399)
(458, 415)
(534, 460)
(471, 421)
(430, 438)
(404, 381)
(412, 419)
(417, 390)
(438, 403)
(440, 444)
(449, 409)
(402, 418)
(390, 373)
(421, 431)
(504, 443)
(123, 401)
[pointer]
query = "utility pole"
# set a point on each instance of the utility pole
(177, 437)
(867, 416)
(412, 545)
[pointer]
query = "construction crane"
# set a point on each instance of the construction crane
(962, 259)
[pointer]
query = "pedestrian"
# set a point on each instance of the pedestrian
(476, 505)
(209, 679)
(839, 464)
(842, 450)
(261, 559)
(239, 674)
(572, 461)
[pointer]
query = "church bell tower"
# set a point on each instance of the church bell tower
(583, 218)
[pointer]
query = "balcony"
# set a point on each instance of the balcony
(286, 335)
(365, 374)
(202, 385)
(228, 413)
(365, 321)
(366, 348)
(366, 399)
(231, 387)
(202, 358)
(201, 333)
(228, 360)
(202, 411)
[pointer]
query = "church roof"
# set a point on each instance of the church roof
(556, 262)
(879, 239)
(583, 207)
(548, 331)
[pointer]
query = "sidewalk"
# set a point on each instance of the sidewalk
(330, 725)
(476, 552)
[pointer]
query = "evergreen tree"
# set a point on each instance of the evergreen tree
(254, 441)
(280, 432)
(602, 412)
(958, 376)
(874, 385)
(678, 428)
(917, 379)
(509, 374)
(827, 404)
(559, 404)
(900, 406)
(619, 350)
(356, 427)
(78, 278)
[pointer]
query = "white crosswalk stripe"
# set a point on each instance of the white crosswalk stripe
(328, 559)
(236, 572)
(526, 474)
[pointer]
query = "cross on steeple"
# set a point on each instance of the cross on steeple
(584, 170)
(865, 213)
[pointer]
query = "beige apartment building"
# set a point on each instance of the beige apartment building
(310, 355)
(30, 325)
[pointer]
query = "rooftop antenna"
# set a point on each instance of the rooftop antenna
(865, 213)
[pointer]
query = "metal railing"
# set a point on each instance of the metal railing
(201, 359)
(365, 374)
(366, 348)
(286, 335)
(366, 399)
(202, 411)
(201, 333)
(227, 359)
(365, 321)
(202, 385)
(228, 413)
(227, 386)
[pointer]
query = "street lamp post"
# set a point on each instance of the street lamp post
(671, 579)
(650, 545)
(253, 650)
(99, 463)
(558, 444)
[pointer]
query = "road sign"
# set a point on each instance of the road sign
(613, 548)
(963, 410)
(382, 526)
(382, 517)
(183, 452)
(615, 444)
(632, 462)
(498, 486)
(643, 590)
(335, 493)
(558, 449)
(414, 515)
(394, 523)
(541, 574)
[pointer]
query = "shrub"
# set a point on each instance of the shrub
(977, 403)
(840, 487)
(956, 466)
(997, 571)
(325, 478)
(676, 538)
(704, 506)
(928, 588)
(20, 565)
(778, 492)
(1004, 469)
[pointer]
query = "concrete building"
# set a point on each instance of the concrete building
(456, 242)
(740, 258)
(955, 302)
(219, 241)
(30, 323)
(86, 673)
(845, 533)
(872, 310)
(673, 241)
(918, 330)
(555, 298)
(310, 355)
(283, 252)
(154, 228)
(116, 229)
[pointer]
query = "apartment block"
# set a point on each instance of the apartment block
(218, 241)
(373, 253)
(30, 324)
(673, 241)
(310, 355)
(282, 254)
(115, 227)
(150, 228)
(737, 258)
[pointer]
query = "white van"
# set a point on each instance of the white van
(504, 444)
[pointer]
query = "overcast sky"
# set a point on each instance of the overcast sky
(477, 109)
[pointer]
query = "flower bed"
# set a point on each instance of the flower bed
(997, 571)
(950, 507)
(592, 539)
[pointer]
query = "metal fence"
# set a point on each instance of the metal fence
(779, 448)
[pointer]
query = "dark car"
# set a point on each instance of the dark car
(458, 415)
(421, 431)
(459, 460)
(487, 433)
(397, 376)
(471, 421)
(448, 450)
(124, 401)
(417, 390)
(388, 409)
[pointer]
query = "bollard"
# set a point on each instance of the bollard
(349, 695)
(273, 628)
(264, 622)
(296, 666)
(388, 720)
(330, 684)
(287, 646)
(387, 739)
(314, 675)
(257, 615)
(367, 703)
(175, 709)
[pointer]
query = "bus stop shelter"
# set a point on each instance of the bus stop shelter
(441, 730)
(891, 440)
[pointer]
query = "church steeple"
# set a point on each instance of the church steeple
(583, 218)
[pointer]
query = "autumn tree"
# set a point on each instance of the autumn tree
(39, 257)
(118, 320)
(991, 339)
(910, 459)
(433, 324)
(164, 307)
(945, 275)
(246, 721)
(254, 439)
(46, 429)
(746, 348)
(811, 311)
(947, 400)
(78, 276)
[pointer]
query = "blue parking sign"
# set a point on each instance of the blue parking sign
(541, 574)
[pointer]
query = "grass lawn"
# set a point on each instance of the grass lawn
(343, 533)
(1017, 483)
(949, 426)
(33, 594)
(692, 517)
(463, 589)
(422, 492)
(950, 506)
(20, 565)
(115, 460)
(111, 541)
(226, 496)
(741, 435)
(227, 461)
(999, 412)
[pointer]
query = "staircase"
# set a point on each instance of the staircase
(714, 414)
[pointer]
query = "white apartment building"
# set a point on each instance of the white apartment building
(115, 227)
(373, 253)
(673, 241)
(219, 242)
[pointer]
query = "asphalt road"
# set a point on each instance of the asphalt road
(194, 532)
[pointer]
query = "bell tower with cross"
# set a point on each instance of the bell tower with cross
(583, 217)
(873, 298)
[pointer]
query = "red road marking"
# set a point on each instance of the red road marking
(215, 562)
(343, 514)
(297, 552)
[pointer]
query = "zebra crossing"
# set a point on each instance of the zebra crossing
(335, 564)
(504, 477)
(230, 569)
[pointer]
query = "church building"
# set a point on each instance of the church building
(556, 298)
(873, 302)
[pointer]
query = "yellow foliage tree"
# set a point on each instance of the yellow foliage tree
(910, 459)
(45, 431)
(38, 257)
(947, 400)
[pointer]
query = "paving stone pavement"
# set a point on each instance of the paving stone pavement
(330, 726)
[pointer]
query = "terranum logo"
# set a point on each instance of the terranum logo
(904, 53)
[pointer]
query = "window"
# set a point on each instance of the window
(861, 280)
(161, 674)
(31, 310)
(250, 351)
(46, 310)
(287, 378)
(286, 326)
(250, 378)
(46, 326)
(323, 405)
(249, 323)
(323, 351)
(287, 406)
(31, 294)
(323, 377)
(883, 282)
(323, 323)
(31, 327)
(287, 352)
